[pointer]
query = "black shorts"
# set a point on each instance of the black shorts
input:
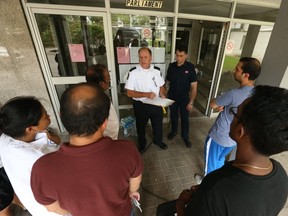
(6, 190)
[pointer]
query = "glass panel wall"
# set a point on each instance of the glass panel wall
(243, 44)
(130, 32)
(72, 43)
(205, 7)
(206, 60)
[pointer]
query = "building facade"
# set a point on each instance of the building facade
(47, 45)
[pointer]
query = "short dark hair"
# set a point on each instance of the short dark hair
(251, 66)
(145, 48)
(19, 113)
(182, 48)
(83, 113)
(264, 119)
(95, 73)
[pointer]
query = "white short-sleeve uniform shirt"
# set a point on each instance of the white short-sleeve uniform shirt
(145, 80)
(18, 158)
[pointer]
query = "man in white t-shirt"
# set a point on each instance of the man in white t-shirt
(145, 81)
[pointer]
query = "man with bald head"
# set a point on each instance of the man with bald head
(91, 174)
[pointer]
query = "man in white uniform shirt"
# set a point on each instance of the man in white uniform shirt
(145, 81)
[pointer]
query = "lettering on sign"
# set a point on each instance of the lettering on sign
(142, 3)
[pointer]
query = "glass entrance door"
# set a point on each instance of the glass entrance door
(69, 43)
(208, 56)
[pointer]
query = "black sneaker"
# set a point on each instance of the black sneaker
(187, 143)
(163, 146)
(171, 135)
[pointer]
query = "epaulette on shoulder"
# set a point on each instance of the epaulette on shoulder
(157, 68)
(132, 69)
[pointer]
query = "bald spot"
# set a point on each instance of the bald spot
(81, 94)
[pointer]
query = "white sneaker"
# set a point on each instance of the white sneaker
(198, 178)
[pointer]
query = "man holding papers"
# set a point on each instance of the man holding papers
(145, 82)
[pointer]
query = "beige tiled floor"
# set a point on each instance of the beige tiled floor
(168, 172)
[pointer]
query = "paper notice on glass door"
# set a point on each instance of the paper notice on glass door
(77, 52)
(123, 55)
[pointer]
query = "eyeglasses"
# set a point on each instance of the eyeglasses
(232, 111)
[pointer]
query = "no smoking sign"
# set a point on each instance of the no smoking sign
(230, 45)
(147, 32)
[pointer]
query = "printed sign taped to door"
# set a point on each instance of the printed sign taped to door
(76, 52)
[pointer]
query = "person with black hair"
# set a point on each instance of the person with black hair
(218, 143)
(91, 174)
(181, 80)
(25, 138)
(254, 183)
(99, 75)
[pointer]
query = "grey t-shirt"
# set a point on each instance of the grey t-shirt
(220, 129)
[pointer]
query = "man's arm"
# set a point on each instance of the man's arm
(213, 104)
(53, 137)
(134, 184)
(167, 84)
(55, 207)
(137, 94)
(184, 198)
(162, 92)
(193, 93)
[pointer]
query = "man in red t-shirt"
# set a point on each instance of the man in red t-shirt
(91, 174)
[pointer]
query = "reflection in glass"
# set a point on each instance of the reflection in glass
(130, 32)
(206, 60)
(72, 43)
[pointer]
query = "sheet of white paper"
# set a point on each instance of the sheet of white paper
(164, 102)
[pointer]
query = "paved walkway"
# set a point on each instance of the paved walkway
(168, 172)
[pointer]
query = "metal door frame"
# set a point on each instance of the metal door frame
(43, 61)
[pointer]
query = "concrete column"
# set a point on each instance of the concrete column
(275, 61)
(250, 41)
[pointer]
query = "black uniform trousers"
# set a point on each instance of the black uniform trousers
(143, 112)
(184, 114)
